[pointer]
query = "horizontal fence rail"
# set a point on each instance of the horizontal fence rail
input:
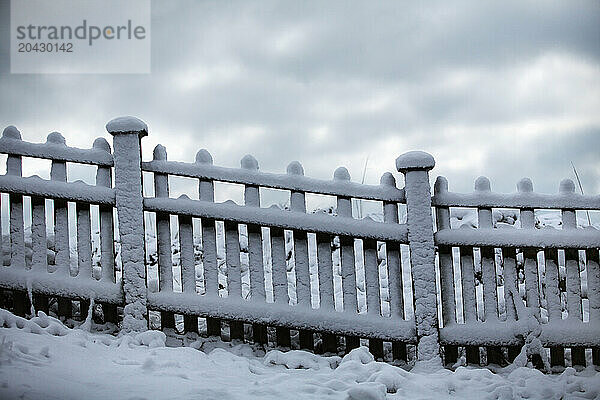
(56, 152)
(288, 181)
(297, 279)
(275, 217)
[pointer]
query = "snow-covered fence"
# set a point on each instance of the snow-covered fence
(266, 228)
(333, 279)
(42, 267)
(486, 267)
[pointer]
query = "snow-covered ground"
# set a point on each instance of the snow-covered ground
(42, 359)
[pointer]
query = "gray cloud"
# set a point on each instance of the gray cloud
(502, 90)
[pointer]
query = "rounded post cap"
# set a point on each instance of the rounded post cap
(525, 186)
(249, 162)
(387, 179)
(440, 185)
(127, 125)
(203, 157)
(415, 160)
(566, 186)
(56, 138)
(160, 152)
(295, 168)
(101, 144)
(482, 184)
(341, 174)
(11, 132)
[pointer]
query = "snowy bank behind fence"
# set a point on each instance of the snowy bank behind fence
(322, 281)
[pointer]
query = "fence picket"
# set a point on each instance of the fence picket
(163, 239)
(280, 284)
(188, 267)
(488, 271)
(298, 204)
(446, 272)
(84, 251)
(107, 234)
(347, 260)
(39, 246)
(569, 220)
(325, 268)
(209, 244)
(394, 268)
(255, 259)
(510, 279)
(14, 167)
(62, 258)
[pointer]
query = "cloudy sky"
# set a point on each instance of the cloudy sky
(506, 90)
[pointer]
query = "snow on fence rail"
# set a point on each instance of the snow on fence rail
(329, 280)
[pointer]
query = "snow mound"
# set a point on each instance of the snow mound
(298, 359)
(40, 358)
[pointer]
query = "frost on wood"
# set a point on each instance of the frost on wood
(128, 197)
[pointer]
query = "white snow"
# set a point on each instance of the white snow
(126, 124)
(548, 237)
(43, 359)
(415, 160)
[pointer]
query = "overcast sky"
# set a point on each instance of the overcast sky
(506, 90)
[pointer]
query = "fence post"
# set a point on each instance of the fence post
(127, 133)
(415, 166)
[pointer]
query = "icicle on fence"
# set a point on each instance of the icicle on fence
(292, 278)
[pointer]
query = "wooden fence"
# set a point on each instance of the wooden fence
(306, 280)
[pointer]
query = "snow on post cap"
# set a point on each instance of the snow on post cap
(295, 168)
(11, 132)
(415, 160)
(482, 184)
(249, 162)
(388, 179)
(101, 144)
(566, 186)
(525, 186)
(440, 185)
(159, 153)
(56, 138)
(127, 125)
(341, 174)
(203, 157)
